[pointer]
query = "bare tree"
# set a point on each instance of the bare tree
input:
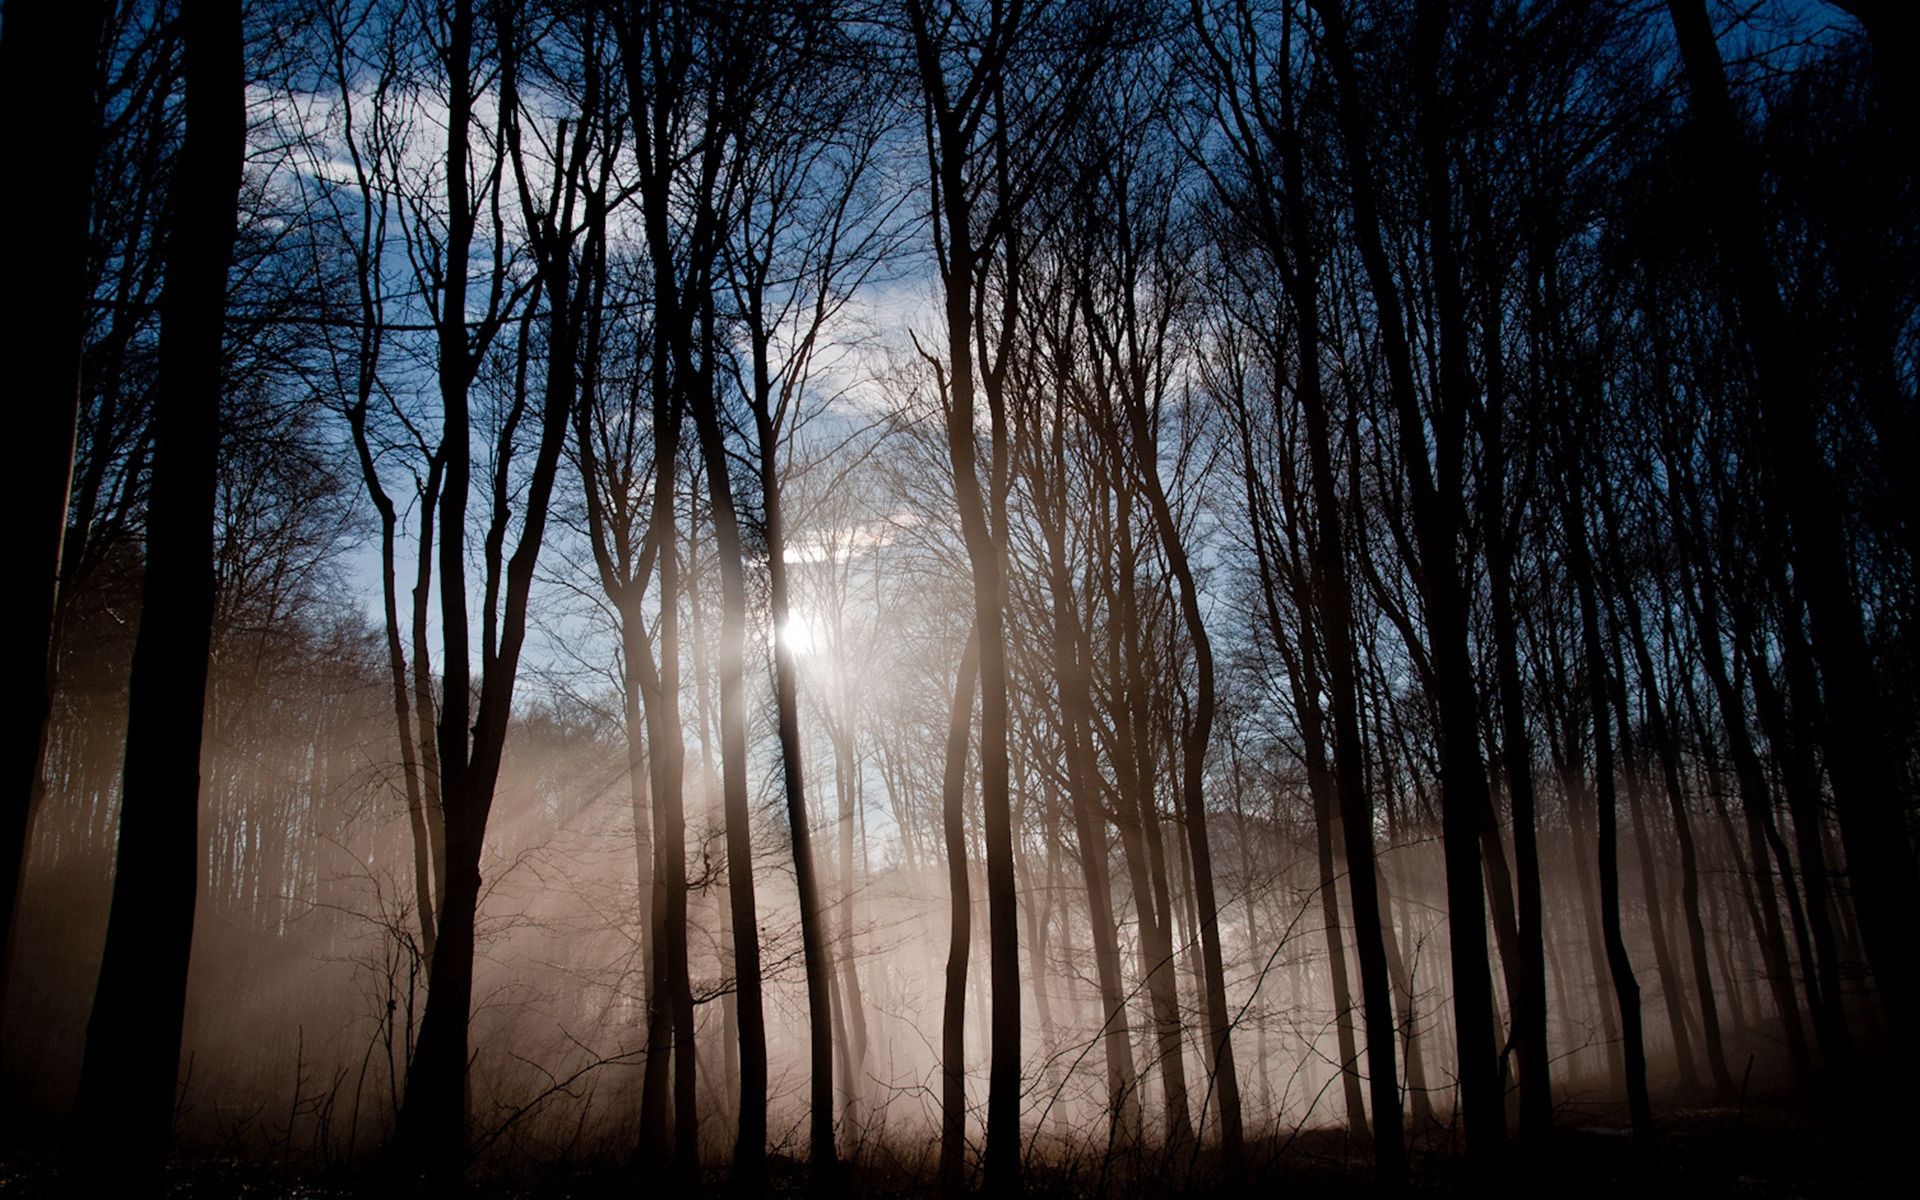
(128, 1080)
(47, 342)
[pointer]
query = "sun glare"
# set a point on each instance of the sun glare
(798, 635)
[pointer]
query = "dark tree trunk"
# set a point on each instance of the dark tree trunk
(1625, 986)
(953, 1021)
(1749, 776)
(1193, 773)
(1333, 604)
(432, 1125)
(46, 91)
(793, 778)
(749, 1153)
(1667, 751)
(425, 900)
(1325, 814)
(1860, 751)
(1140, 835)
(982, 523)
(1072, 664)
(1302, 656)
(1673, 990)
(1437, 502)
(123, 1114)
(853, 1006)
(671, 996)
(1529, 1005)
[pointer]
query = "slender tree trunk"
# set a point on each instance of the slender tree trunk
(1529, 1006)
(1072, 670)
(1140, 838)
(432, 1125)
(1790, 723)
(639, 793)
(1666, 750)
(989, 589)
(953, 1022)
(805, 875)
(1625, 986)
(1419, 1098)
(1750, 783)
(1673, 990)
(749, 1151)
(123, 1114)
(1860, 753)
(403, 715)
(666, 760)
(1437, 500)
(1319, 784)
(1193, 774)
(853, 1004)
(424, 710)
(1371, 927)
(954, 159)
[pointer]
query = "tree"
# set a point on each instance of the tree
(133, 1035)
(472, 732)
(1437, 502)
(1859, 750)
(56, 131)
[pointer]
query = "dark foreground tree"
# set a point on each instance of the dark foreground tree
(47, 54)
(1861, 752)
(123, 1115)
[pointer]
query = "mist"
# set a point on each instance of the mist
(942, 597)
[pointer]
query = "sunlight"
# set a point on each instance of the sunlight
(800, 635)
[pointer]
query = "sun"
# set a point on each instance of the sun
(798, 634)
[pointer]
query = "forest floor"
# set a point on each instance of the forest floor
(1766, 1148)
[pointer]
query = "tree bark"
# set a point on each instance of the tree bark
(46, 89)
(1437, 501)
(749, 1152)
(951, 129)
(786, 677)
(1193, 775)
(1073, 675)
(123, 1114)
(953, 1021)
(1860, 752)
(1626, 987)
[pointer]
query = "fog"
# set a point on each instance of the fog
(959, 596)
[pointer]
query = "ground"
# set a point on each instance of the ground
(1768, 1147)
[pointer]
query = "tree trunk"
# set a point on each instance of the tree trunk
(953, 1022)
(1750, 782)
(1666, 750)
(123, 1113)
(1860, 751)
(1673, 991)
(749, 1151)
(1140, 838)
(853, 1004)
(1437, 500)
(1192, 781)
(1626, 987)
(1072, 670)
(1529, 1006)
(46, 71)
(806, 880)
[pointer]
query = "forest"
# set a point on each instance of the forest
(929, 597)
